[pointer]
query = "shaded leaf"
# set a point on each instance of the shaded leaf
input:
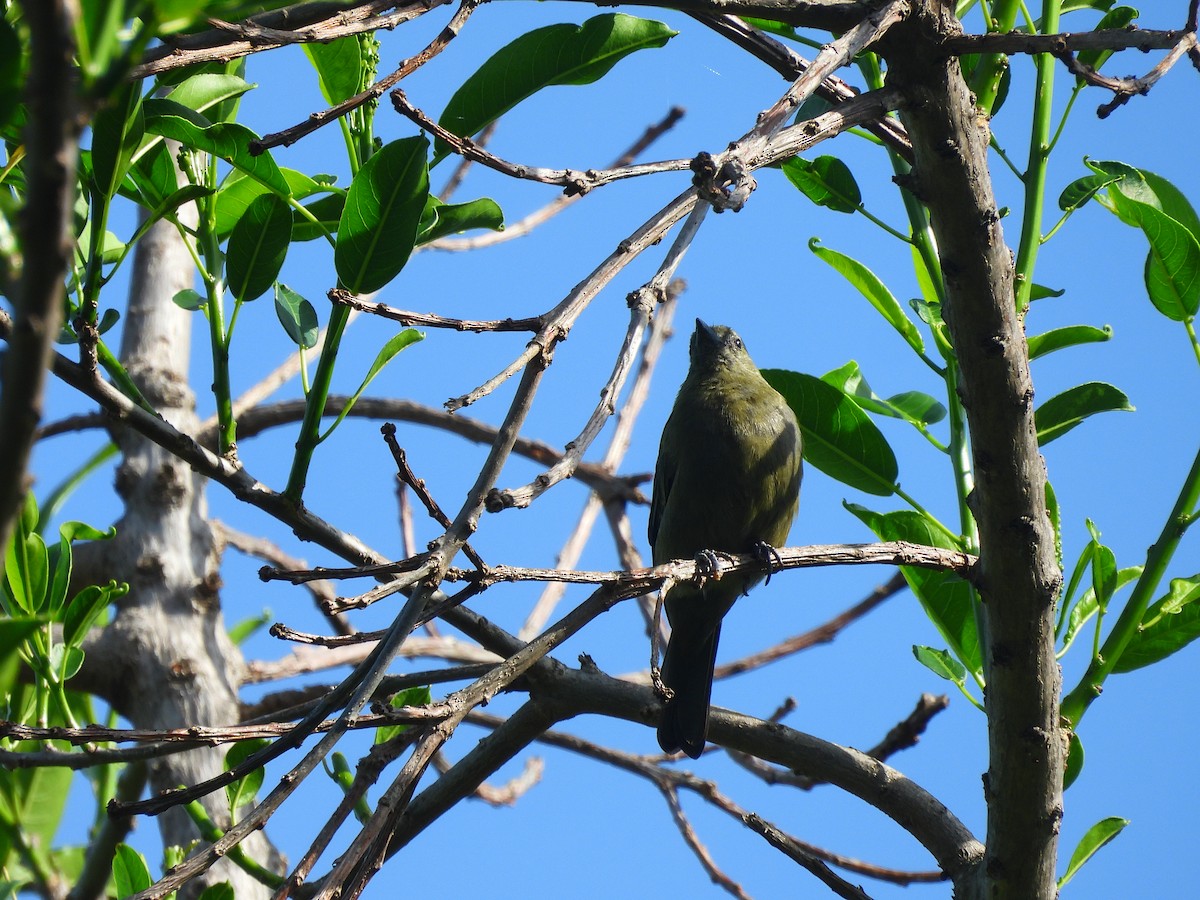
(339, 67)
(945, 597)
(1117, 19)
(189, 299)
(130, 872)
(116, 133)
(238, 191)
(1064, 411)
(839, 438)
(297, 317)
(826, 181)
(442, 219)
(383, 209)
(1082, 612)
(257, 247)
(227, 140)
(242, 791)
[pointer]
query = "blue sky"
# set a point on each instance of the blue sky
(586, 831)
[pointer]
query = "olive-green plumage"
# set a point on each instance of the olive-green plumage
(727, 479)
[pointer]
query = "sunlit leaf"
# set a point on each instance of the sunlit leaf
(1068, 336)
(1095, 838)
(839, 438)
(557, 54)
(871, 287)
(1064, 411)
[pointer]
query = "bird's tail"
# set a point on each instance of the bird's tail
(688, 671)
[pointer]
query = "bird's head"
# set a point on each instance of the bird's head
(717, 348)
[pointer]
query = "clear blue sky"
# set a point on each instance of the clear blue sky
(590, 832)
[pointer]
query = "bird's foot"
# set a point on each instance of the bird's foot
(708, 565)
(768, 556)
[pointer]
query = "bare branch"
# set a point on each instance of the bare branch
(289, 136)
(52, 142)
(302, 23)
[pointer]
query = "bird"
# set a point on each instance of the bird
(727, 480)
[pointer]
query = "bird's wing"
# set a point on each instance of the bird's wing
(664, 475)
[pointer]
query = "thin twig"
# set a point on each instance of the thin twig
(540, 216)
(1125, 89)
(641, 303)
(289, 136)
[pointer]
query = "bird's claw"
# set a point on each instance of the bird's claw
(768, 556)
(707, 565)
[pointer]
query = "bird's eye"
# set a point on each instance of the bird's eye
(737, 343)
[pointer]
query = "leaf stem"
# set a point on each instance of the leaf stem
(1158, 557)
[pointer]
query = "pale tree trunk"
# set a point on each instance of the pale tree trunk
(170, 661)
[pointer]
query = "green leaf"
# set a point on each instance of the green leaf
(1170, 624)
(238, 192)
(1041, 292)
(245, 629)
(189, 299)
(1068, 336)
(204, 91)
(912, 406)
(1095, 838)
(414, 696)
(116, 133)
(343, 776)
(297, 317)
(870, 286)
(130, 872)
(1104, 575)
(1171, 201)
(556, 54)
(1080, 191)
(227, 140)
(257, 247)
(839, 438)
(26, 561)
(826, 181)
(13, 633)
(242, 791)
(1173, 267)
(154, 176)
(390, 349)
(918, 407)
(10, 72)
(1075, 759)
(941, 664)
(378, 227)
(1082, 612)
(339, 67)
(441, 219)
(1117, 19)
(326, 210)
(221, 891)
(86, 606)
(945, 597)
(1064, 411)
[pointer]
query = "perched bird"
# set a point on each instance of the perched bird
(727, 479)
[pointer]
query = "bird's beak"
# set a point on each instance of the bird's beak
(705, 329)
